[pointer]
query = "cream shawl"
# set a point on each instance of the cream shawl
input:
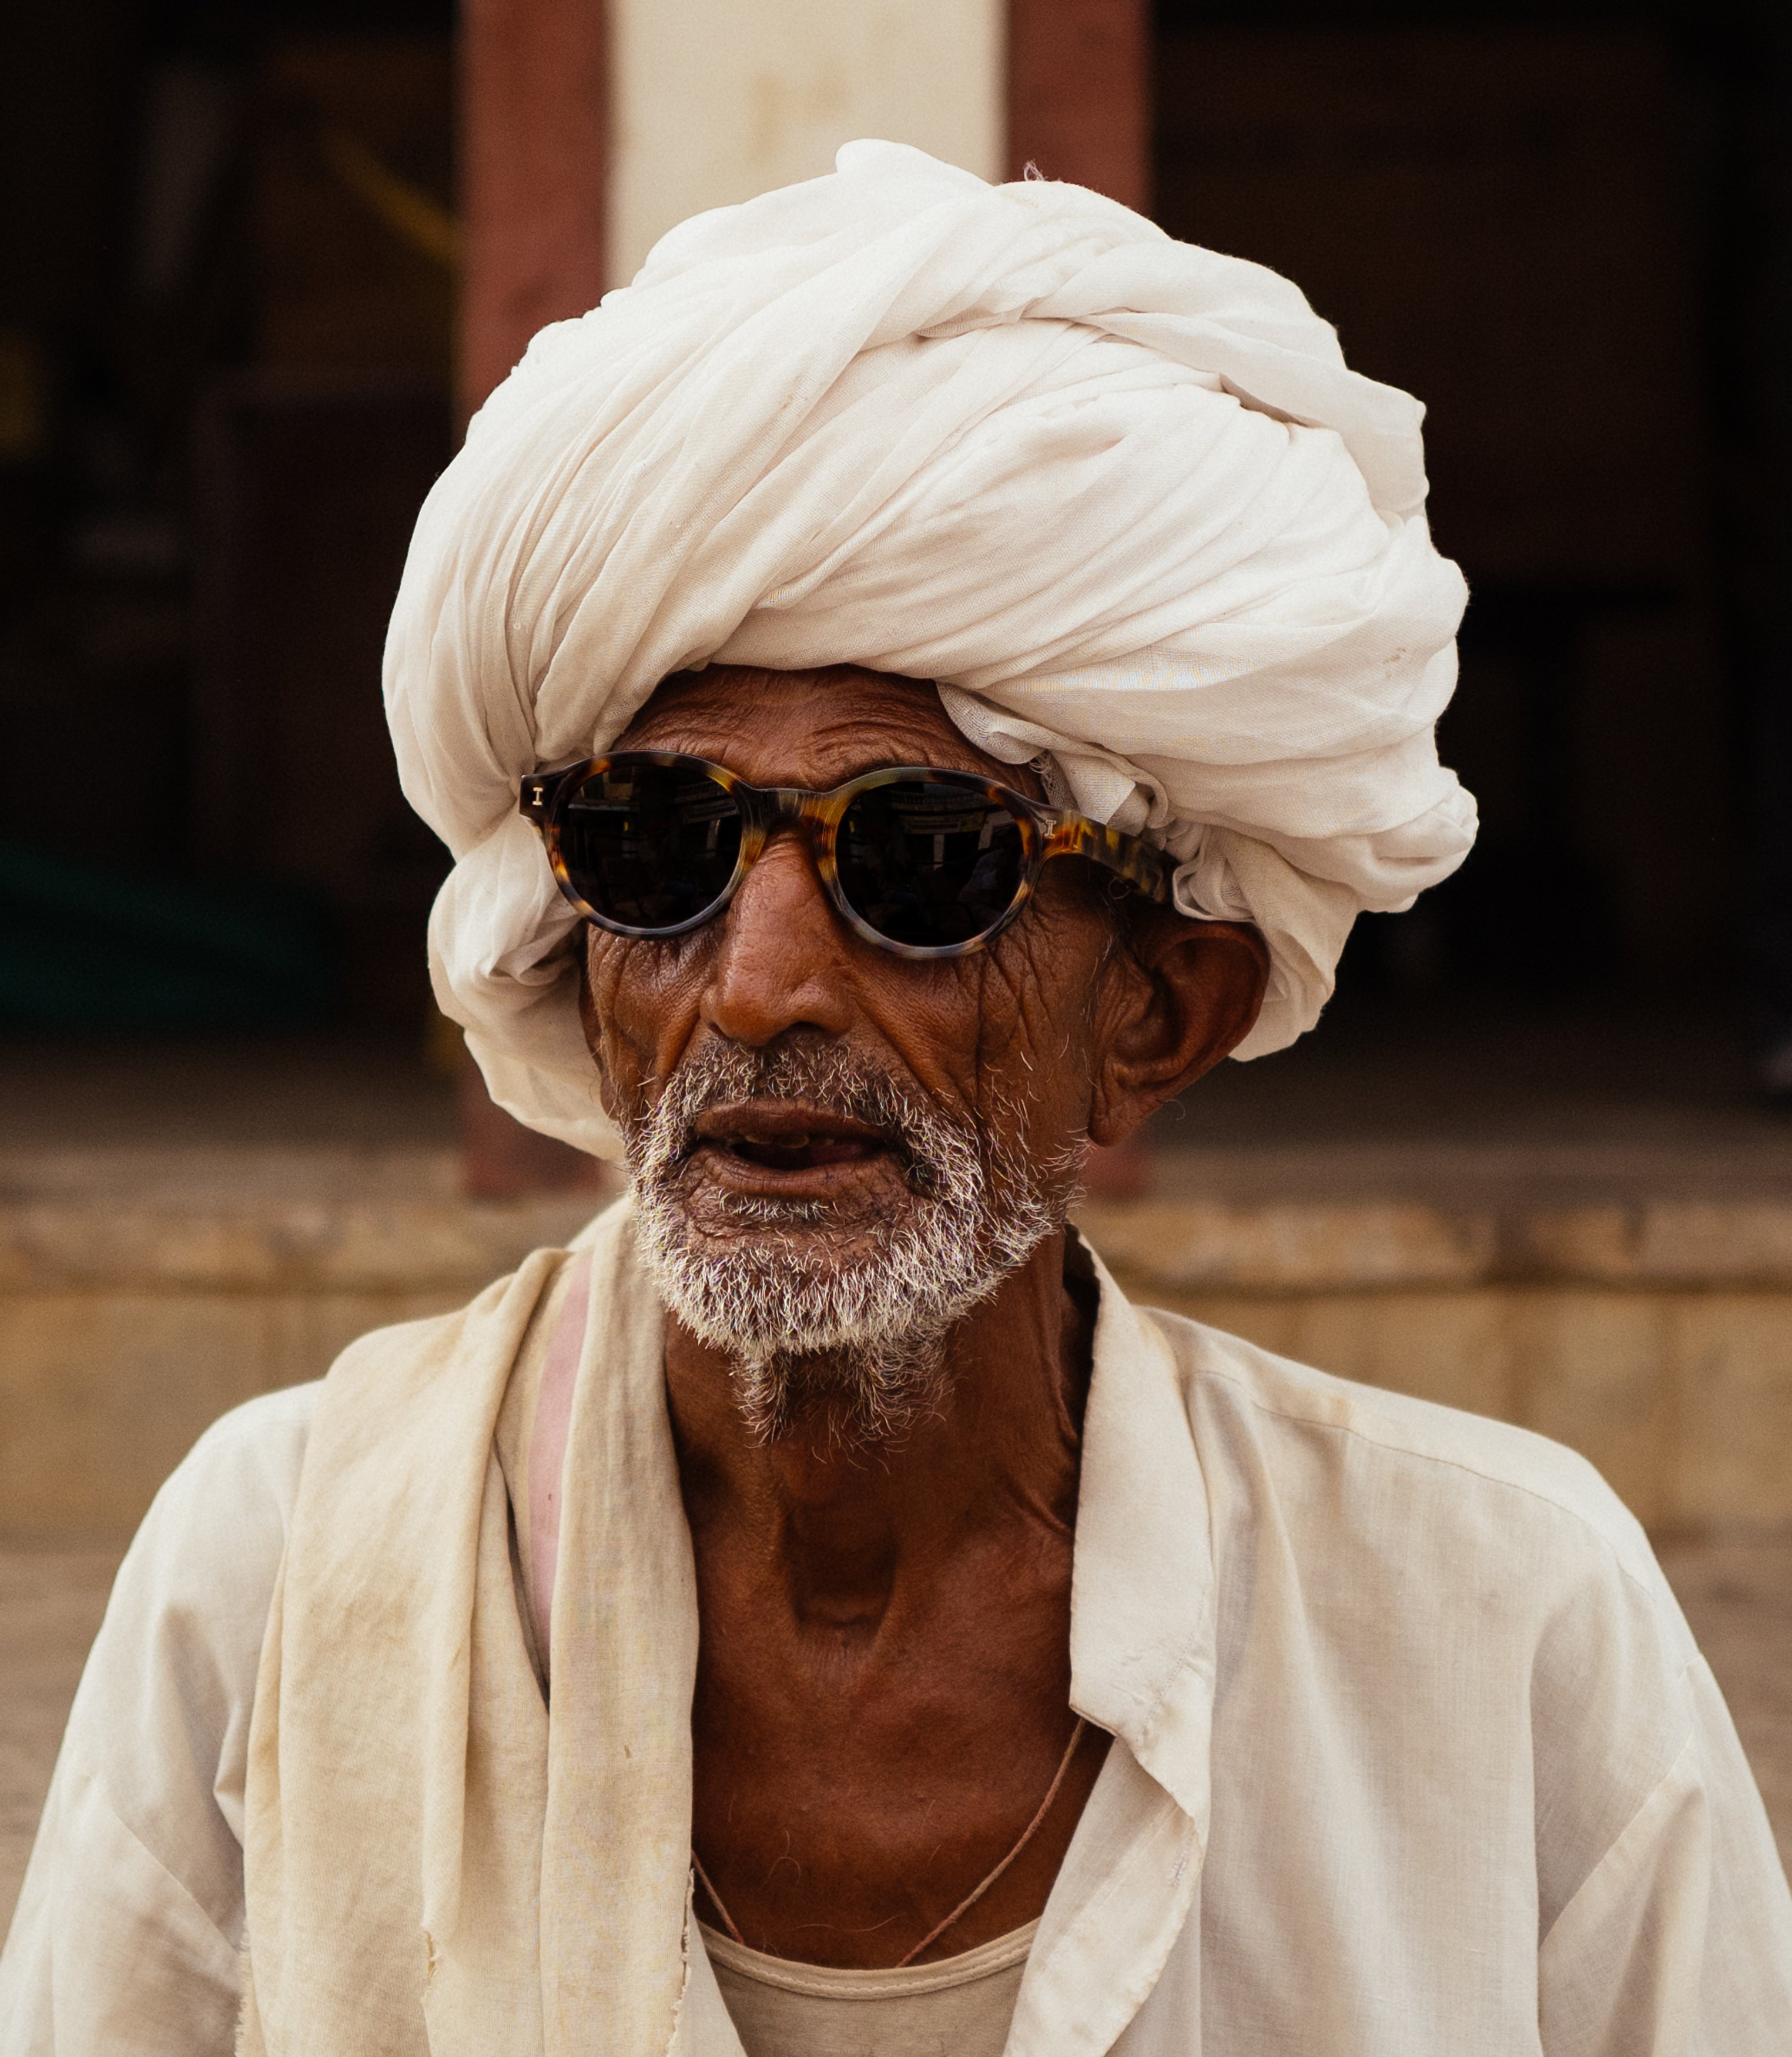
(524, 1880)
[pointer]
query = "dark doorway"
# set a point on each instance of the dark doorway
(1563, 228)
(227, 252)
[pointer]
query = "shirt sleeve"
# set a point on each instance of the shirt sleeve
(129, 1926)
(1678, 1942)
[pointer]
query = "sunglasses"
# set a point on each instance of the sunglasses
(926, 863)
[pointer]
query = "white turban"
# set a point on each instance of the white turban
(1119, 496)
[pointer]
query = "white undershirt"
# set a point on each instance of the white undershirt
(963, 2005)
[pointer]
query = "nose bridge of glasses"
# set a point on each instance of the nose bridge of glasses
(768, 810)
(809, 814)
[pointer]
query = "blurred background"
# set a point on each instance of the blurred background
(258, 262)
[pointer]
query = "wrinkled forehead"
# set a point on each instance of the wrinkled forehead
(809, 728)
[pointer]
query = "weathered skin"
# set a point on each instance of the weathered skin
(883, 1692)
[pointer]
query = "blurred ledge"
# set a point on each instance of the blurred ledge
(1184, 1246)
(1639, 1310)
(291, 1218)
(1646, 1209)
(318, 1217)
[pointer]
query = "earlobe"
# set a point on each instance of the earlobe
(1181, 995)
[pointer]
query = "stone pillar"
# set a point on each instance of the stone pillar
(535, 129)
(1079, 94)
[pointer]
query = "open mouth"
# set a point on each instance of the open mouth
(800, 1153)
(788, 1138)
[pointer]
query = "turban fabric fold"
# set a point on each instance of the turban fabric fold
(1119, 496)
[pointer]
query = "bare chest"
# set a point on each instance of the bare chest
(853, 1783)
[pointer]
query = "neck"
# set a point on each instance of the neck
(842, 1524)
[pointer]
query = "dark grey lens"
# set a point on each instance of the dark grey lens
(650, 845)
(929, 864)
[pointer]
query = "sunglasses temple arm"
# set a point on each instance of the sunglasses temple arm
(539, 790)
(1130, 856)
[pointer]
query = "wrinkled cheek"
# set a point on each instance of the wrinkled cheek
(641, 1003)
(1035, 1082)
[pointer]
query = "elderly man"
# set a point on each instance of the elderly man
(817, 1612)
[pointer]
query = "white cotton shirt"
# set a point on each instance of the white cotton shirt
(1415, 1756)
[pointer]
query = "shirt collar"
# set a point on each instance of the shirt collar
(1142, 1605)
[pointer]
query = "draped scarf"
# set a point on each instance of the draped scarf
(429, 1865)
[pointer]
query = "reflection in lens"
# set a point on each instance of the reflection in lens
(930, 864)
(650, 845)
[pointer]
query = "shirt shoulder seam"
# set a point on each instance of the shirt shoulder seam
(1366, 1431)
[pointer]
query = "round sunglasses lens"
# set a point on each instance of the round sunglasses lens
(929, 864)
(649, 845)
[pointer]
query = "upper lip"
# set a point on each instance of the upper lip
(788, 1122)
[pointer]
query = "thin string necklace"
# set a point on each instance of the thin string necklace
(970, 1899)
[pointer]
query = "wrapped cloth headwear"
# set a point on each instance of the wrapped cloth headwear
(1119, 496)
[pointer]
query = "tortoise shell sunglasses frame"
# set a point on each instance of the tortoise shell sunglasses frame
(1045, 832)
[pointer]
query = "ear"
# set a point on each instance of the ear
(1178, 995)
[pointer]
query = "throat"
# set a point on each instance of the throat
(834, 1555)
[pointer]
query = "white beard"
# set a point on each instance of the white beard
(801, 1319)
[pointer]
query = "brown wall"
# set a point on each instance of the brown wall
(1078, 102)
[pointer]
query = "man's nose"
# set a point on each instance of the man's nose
(784, 958)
